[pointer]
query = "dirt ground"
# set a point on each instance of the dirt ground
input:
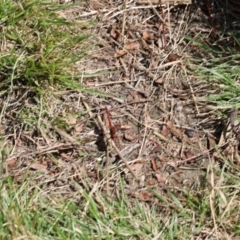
(142, 116)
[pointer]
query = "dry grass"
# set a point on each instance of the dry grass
(171, 169)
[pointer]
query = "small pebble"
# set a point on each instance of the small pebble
(189, 133)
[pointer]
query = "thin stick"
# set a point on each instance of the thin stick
(124, 160)
(117, 107)
(113, 83)
(200, 155)
(110, 142)
(124, 17)
(108, 146)
(164, 2)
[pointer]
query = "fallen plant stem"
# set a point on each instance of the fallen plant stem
(200, 155)
(110, 142)
(124, 160)
(92, 115)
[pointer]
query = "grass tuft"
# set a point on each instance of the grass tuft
(222, 71)
(38, 47)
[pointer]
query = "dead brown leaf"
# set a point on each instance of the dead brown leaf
(137, 167)
(130, 136)
(173, 163)
(165, 131)
(134, 168)
(175, 131)
(156, 148)
(161, 177)
(79, 128)
(154, 165)
(135, 95)
(132, 45)
(120, 53)
(114, 33)
(154, 63)
(57, 145)
(144, 196)
(162, 159)
(67, 157)
(97, 4)
(188, 154)
(11, 164)
(38, 166)
(90, 83)
(159, 80)
(170, 124)
(172, 57)
(175, 149)
(127, 47)
(151, 182)
(147, 35)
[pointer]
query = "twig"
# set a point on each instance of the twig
(124, 16)
(123, 159)
(113, 83)
(110, 142)
(66, 136)
(162, 2)
(117, 107)
(205, 153)
(126, 151)
(88, 108)
(166, 65)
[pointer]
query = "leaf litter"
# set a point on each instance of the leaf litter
(140, 56)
